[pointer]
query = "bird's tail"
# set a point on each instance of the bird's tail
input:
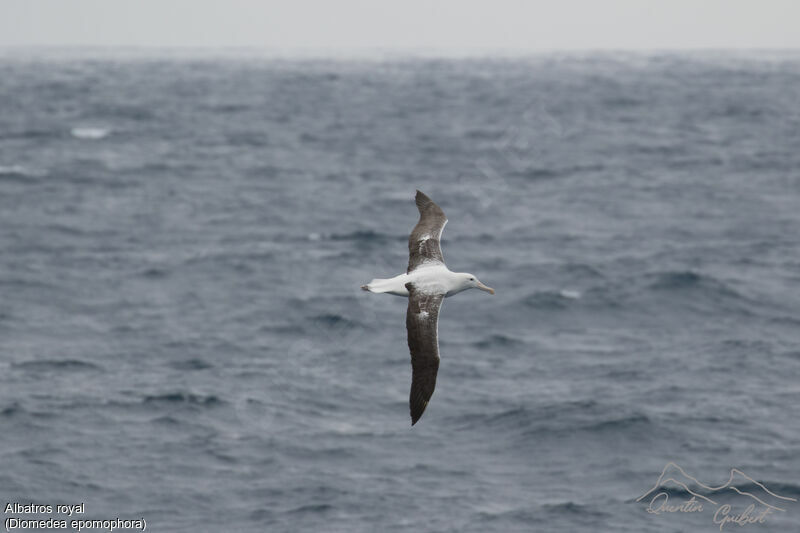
(377, 285)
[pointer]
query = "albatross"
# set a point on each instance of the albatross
(426, 283)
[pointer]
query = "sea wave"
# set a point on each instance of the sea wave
(361, 236)
(60, 365)
(557, 420)
(194, 363)
(550, 300)
(688, 280)
(497, 340)
(12, 410)
(187, 398)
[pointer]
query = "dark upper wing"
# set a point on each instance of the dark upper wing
(422, 323)
(423, 243)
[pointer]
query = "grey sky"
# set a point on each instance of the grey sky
(444, 25)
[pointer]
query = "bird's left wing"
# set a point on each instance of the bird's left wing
(422, 323)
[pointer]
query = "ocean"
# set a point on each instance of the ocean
(183, 339)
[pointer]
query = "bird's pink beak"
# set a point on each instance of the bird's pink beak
(483, 287)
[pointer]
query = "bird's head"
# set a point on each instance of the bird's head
(470, 281)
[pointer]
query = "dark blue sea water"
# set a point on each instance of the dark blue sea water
(183, 338)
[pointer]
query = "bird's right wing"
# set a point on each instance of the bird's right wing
(423, 243)
(422, 323)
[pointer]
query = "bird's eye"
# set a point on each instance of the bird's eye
(472, 279)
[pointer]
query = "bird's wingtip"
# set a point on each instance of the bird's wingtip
(422, 200)
(417, 410)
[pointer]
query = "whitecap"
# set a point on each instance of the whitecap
(572, 295)
(90, 133)
(19, 170)
(13, 169)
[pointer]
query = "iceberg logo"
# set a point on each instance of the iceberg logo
(741, 500)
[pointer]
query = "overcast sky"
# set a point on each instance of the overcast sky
(445, 25)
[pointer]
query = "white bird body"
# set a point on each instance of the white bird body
(431, 279)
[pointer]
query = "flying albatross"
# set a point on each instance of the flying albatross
(426, 283)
